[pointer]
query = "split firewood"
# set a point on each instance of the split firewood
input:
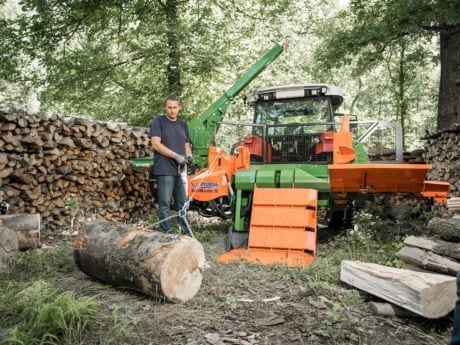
(26, 227)
(428, 260)
(8, 245)
(147, 261)
(426, 294)
(437, 246)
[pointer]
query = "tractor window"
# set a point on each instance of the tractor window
(308, 112)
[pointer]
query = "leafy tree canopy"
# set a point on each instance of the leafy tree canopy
(371, 31)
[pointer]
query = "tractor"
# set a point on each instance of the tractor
(296, 154)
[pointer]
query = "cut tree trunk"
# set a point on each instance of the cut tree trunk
(426, 294)
(147, 261)
(8, 245)
(436, 246)
(428, 260)
(26, 226)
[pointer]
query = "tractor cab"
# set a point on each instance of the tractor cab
(291, 123)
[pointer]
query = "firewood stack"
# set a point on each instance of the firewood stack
(47, 160)
(443, 153)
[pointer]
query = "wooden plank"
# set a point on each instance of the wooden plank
(426, 294)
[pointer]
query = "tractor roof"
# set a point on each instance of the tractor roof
(300, 91)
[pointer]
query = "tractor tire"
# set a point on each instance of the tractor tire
(236, 239)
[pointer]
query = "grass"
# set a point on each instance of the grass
(40, 314)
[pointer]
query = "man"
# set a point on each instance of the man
(455, 340)
(171, 144)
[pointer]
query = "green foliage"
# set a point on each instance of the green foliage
(114, 60)
(39, 314)
(399, 36)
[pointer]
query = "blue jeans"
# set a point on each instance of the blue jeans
(455, 340)
(169, 187)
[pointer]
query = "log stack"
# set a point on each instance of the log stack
(431, 255)
(443, 153)
(46, 160)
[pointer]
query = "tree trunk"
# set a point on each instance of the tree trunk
(449, 88)
(426, 294)
(146, 261)
(26, 226)
(174, 79)
(8, 245)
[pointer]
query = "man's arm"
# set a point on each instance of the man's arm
(160, 148)
(163, 150)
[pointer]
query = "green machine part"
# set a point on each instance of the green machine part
(203, 127)
(313, 176)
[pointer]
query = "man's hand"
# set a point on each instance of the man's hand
(181, 160)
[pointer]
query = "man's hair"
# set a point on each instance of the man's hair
(173, 97)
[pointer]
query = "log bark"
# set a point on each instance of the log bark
(8, 245)
(26, 226)
(429, 260)
(437, 246)
(426, 294)
(147, 261)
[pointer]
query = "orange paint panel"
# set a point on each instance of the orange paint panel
(208, 186)
(282, 238)
(439, 191)
(377, 178)
(283, 216)
(269, 257)
(285, 196)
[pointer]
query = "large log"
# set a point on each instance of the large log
(8, 245)
(426, 294)
(147, 261)
(26, 226)
(428, 260)
(437, 246)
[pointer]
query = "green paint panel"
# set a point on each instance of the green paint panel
(140, 163)
(266, 179)
(245, 179)
(286, 178)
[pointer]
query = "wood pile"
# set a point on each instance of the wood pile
(443, 153)
(47, 160)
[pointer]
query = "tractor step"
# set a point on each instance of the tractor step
(282, 229)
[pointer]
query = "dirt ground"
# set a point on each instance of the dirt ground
(247, 304)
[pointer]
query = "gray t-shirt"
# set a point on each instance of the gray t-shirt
(174, 135)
